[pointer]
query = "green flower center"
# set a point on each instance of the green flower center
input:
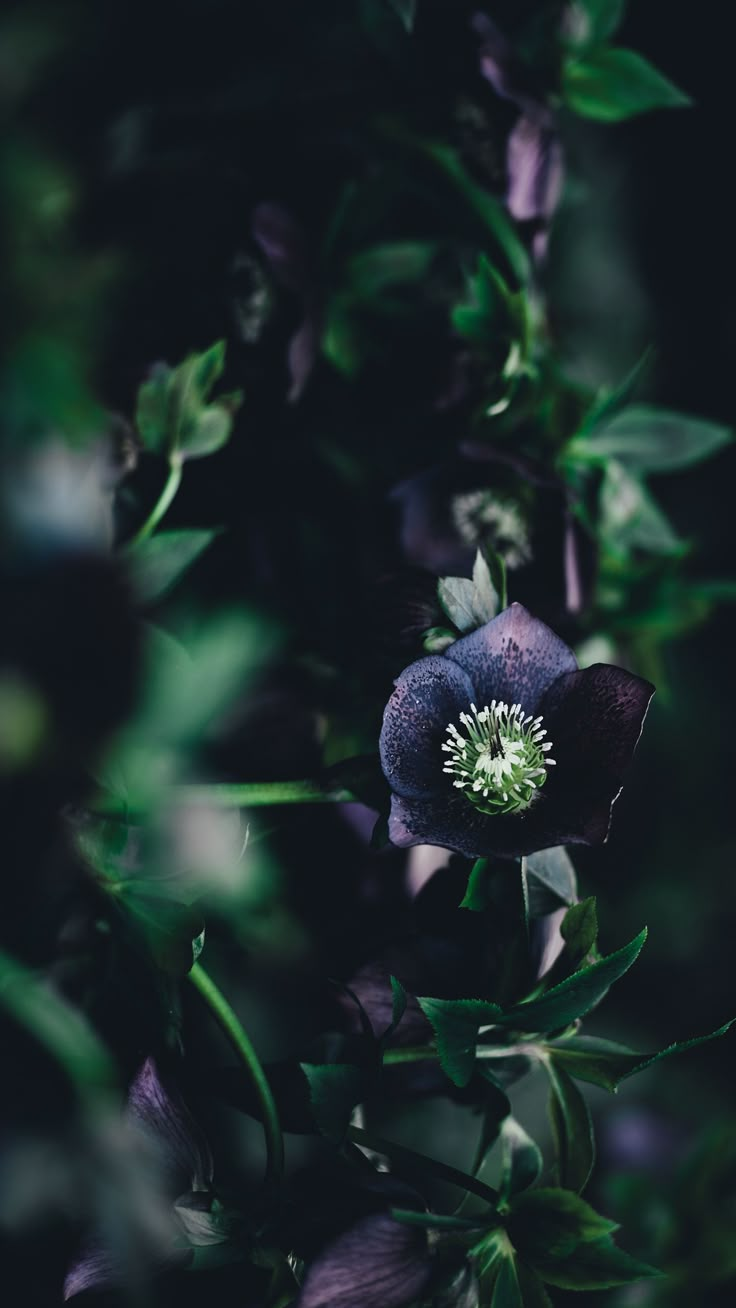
(501, 760)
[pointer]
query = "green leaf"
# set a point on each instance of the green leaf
(579, 930)
(170, 931)
(152, 408)
(496, 1108)
(455, 1023)
(156, 563)
(469, 602)
(593, 21)
(334, 1090)
(552, 880)
(646, 438)
(437, 639)
(575, 996)
(521, 1159)
(383, 266)
(57, 1025)
(506, 1289)
(211, 431)
(606, 1064)
(573, 1129)
(554, 1223)
(173, 416)
(611, 84)
(598, 1265)
(630, 518)
(477, 894)
(456, 595)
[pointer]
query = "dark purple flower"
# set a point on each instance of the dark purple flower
(504, 746)
(377, 1263)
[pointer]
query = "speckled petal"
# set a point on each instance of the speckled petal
(429, 694)
(594, 718)
(579, 813)
(378, 1263)
(515, 658)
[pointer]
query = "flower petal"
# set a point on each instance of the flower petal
(535, 169)
(429, 694)
(378, 1263)
(514, 657)
(594, 718)
(165, 1121)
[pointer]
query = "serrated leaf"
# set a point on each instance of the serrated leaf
(157, 563)
(579, 930)
(598, 1265)
(552, 880)
(550, 1222)
(573, 1129)
(455, 1023)
(630, 518)
(575, 996)
(521, 1159)
(611, 83)
(604, 1063)
(334, 1090)
(646, 438)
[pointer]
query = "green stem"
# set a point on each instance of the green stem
(255, 794)
(258, 794)
(411, 1162)
(163, 502)
(233, 1029)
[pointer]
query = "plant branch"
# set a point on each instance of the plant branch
(236, 1034)
(163, 502)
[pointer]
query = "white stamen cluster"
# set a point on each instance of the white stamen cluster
(481, 516)
(500, 760)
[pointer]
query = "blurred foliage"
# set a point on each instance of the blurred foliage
(329, 330)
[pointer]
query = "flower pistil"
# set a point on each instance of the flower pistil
(501, 760)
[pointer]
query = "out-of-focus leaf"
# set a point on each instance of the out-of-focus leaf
(573, 1129)
(611, 84)
(406, 9)
(649, 439)
(604, 1063)
(173, 413)
(57, 1025)
(521, 1159)
(375, 270)
(170, 930)
(630, 518)
(593, 21)
(156, 563)
(598, 1265)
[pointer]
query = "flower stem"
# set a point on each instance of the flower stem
(163, 502)
(411, 1162)
(258, 794)
(250, 794)
(240, 1041)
